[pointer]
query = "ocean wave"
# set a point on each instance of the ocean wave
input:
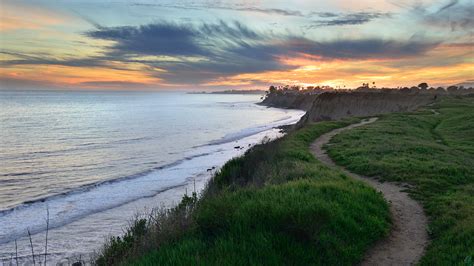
(87, 187)
(97, 197)
(254, 130)
(226, 139)
(72, 205)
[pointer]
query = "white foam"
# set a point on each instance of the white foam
(87, 202)
(254, 130)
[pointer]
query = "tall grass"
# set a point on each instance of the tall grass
(276, 205)
(434, 153)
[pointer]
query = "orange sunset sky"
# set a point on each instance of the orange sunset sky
(234, 44)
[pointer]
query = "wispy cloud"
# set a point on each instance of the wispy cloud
(325, 18)
(357, 18)
(283, 12)
(216, 6)
(453, 14)
(448, 5)
(26, 59)
(204, 52)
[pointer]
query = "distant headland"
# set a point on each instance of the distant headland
(258, 92)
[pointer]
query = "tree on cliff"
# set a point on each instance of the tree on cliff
(272, 89)
(423, 85)
(452, 88)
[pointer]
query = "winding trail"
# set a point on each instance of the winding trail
(408, 238)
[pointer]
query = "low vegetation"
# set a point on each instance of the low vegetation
(276, 205)
(433, 151)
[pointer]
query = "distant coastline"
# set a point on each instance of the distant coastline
(258, 92)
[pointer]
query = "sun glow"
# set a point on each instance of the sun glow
(55, 45)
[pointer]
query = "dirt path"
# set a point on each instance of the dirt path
(408, 237)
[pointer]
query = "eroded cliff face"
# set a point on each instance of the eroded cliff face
(334, 106)
(338, 105)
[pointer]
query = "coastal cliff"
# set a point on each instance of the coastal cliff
(283, 178)
(335, 106)
(338, 105)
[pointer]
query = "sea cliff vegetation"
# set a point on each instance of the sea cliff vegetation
(300, 97)
(276, 205)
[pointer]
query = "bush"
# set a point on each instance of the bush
(276, 205)
(302, 222)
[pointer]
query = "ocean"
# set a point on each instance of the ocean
(95, 159)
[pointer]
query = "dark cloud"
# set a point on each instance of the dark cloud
(206, 52)
(265, 56)
(236, 41)
(454, 14)
(358, 18)
(217, 49)
(359, 49)
(324, 14)
(152, 39)
(175, 40)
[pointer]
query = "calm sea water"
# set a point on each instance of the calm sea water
(94, 158)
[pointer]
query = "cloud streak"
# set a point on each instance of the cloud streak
(200, 53)
(448, 5)
(270, 11)
(454, 14)
(325, 18)
(358, 18)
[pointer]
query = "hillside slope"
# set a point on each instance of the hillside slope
(431, 150)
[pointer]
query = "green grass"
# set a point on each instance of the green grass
(277, 205)
(300, 222)
(435, 153)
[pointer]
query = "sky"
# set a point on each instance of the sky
(219, 44)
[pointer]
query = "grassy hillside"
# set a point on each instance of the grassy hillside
(434, 153)
(276, 205)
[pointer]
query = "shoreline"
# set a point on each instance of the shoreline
(168, 196)
(282, 171)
